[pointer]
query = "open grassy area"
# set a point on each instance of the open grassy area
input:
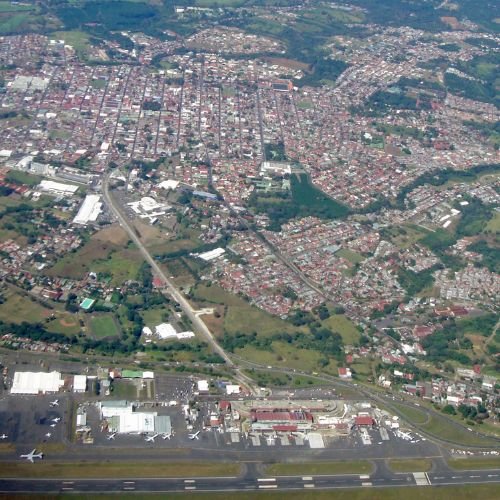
(441, 428)
(285, 355)
(124, 389)
(122, 266)
(18, 177)
(248, 319)
(77, 39)
(314, 468)
(413, 415)
(18, 308)
(414, 465)
(351, 256)
(103, 325)
(217, 295)
(466, 492)
(343, 325)
(474, 463)
(118, 469)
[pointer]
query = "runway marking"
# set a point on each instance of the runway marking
(492, 475)
(456, 477)
(189, 487)
(439, 477)
(189, 481)
(364, 476)
(474, 476)
(367, 483)
(421, 478)
(307, 478)
(129, 488)
(67, 488)
(266, 479)
(309, 485)
(263, 486)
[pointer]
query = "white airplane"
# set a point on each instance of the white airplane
(55, 420)
(194, 436)
(48, 435)
(4, 436)
(32, 455)
(54, 403)
(53, 425)
(151, 439)
(167, 436)
(111, 436)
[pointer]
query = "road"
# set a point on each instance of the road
(198, 325)
(250, 482)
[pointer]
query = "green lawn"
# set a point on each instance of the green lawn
(413, 415)
(351, 256)
(441, 428)
(316, 468)
(18, 177)
(124, 389)
(343, 325)
(77, 39)
(414, 465)
(284, 355)
(103, 325)
(217, 295)
(123, 265)
(465, 492)
(18, 308)
(474, 463)
(118, 469)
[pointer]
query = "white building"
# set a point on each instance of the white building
(36, 383)
(79, 383)
(89, 211)
(57, 188)
(166, 331)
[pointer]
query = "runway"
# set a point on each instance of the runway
(249, 482)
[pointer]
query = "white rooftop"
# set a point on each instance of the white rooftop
(36, 382)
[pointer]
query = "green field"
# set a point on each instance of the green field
(441, 428)
(316, 468)
(413, 415)
(118, 469)
(415, 465)
(18, 308)
(466, 492)
(77, 39)
(122, 265)
(474, 463)
(18, 177)
(103, 325)
(10, 7)
(287, 356)
(351, 256)
(343, 325)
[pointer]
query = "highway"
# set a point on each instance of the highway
(248, 482)
(198, 324)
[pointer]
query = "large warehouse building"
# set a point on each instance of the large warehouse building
(89, 211)
(123, 419)
(36, 383)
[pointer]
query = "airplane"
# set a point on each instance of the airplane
(54, 403)
(111, 436)
(194, 436)
(167, 436)
(151, 439)
(48, 435)
(4, 436)
(53, 425)
(32, 455)
(55, 420)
